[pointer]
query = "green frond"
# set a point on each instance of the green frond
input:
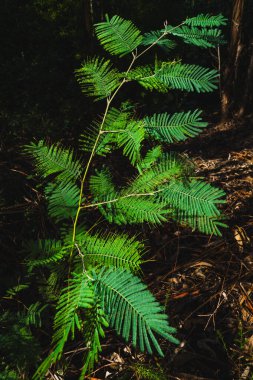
(193, 35)
(62, 200)
(131, 140)
(13, 291)
(168, 167)
(112, 250)
(118, 36)
(101, 186)
(94, 324)
(146, 77)
(151, 157)
(121, 132)
(177, 127)
(133, 310)
(187, 77)
(153, 36)
(195, 198)
(204, 224)
(116, 119)
(88, 137)
(78, 294)
(133, 210)
(195, 204)
(33, 314)
(54, 160)
(140, 210)
(97, 78)
(126, 205)
(206, 20)
(45, 252)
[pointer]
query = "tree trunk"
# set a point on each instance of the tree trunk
(235, 49)
(247, 99)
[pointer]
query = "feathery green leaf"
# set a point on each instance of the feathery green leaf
(118, 36)
(62, 200)
(187, 77)
(97, 78)
(206, 20)
(145, 76)
(193, 35)
(133, 310)
(54, 160)
(177, 127)
(153, 37)
(108, 249)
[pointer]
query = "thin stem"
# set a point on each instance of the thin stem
(109, 100)
(158, 39)
(123, 197)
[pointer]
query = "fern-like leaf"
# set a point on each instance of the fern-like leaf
(207, 20)
(153, 37)
(145, 76)
(101, 186)
(78, 294)
(177, 127)
(131, 140)
(108, 249)
(97, 78)
(195, 204)
(133, 310)
(195, 198)
(54, 160)
(168, 167)
(193, 35)
(151, 157)
(94, 324)
(33, 314)
(138, 209)
(62, 200)
(45, 252)
(204, 224)
(118, 36)
(187, 77)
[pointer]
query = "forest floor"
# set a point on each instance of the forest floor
(206, 283)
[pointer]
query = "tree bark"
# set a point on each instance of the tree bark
(228, 94)
(247, 99)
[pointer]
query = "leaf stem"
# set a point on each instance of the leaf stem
(109, 101)
(123, 197)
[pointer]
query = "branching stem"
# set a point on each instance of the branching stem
(135, 56)
(123, 197)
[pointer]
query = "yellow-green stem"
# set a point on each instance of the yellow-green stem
(109, 100)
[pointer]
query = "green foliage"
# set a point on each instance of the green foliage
(97, 78)
(195, 204)
(133, 309)
(44, 252)
(187, 77)
(112, 250)
(153, 38)
(118, 36)
(62, 200)
(55, 160)
(90, 273)
(206, 20)
(177, 127)
(203, 37)
(78, 294)
(146, 77)
(18, 347)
